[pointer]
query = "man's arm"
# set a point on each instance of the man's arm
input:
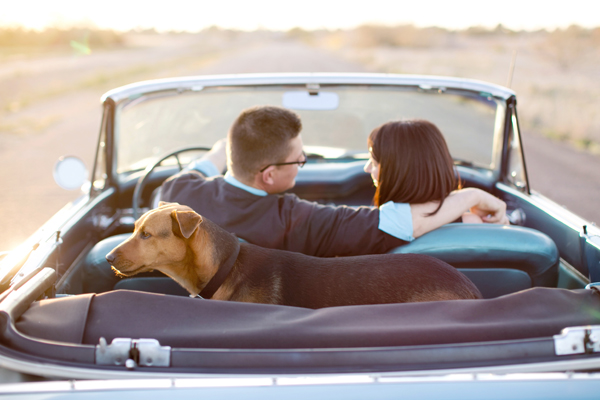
(217, 155)
(213, 162)
(489, 208)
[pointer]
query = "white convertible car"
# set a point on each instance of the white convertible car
(536, 333)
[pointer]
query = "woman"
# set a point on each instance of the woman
(410, 163)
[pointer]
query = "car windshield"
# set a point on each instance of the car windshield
(336, 120)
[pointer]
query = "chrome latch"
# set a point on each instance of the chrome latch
(133, 353)
(593, 286)
(577, 340)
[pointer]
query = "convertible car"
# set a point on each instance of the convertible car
(536, 331)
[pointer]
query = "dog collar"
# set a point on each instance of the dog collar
(217, 280)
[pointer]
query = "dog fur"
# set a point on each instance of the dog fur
(181, 244)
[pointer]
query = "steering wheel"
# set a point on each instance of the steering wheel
(141, 183)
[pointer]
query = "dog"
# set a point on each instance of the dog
(211, 263)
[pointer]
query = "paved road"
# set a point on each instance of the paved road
(30, 196)
(565, 174)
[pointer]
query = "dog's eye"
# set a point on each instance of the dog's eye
(145, 235)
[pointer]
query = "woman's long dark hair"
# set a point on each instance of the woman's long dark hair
(415, 165)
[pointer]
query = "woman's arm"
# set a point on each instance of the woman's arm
(489, 208)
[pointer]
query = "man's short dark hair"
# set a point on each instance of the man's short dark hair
(260, 136)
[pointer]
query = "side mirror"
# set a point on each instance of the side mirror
(70, 173)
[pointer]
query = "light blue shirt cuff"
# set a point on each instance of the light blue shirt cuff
(232, 181)
(396, 219)
(205, 167)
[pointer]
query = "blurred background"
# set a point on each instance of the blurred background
(57, 58)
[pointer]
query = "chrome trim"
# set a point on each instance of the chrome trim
(577, 340)
(594, 286)
(309, 380)
(325, 380)
(239, 381)
(517, 217)
(124, 351)
(63, 372)
(555, 210)
(192, 83)
(19, 300)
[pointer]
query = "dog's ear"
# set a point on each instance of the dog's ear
(187, 222)
(165, 203)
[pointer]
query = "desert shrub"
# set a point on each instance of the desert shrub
(566, 46)
(58, 38)
(482, 31)
(410, 36)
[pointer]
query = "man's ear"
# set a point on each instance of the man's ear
(164, 203)
(186, 221)
(267, 175)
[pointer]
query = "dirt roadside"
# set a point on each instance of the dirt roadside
(67, 123)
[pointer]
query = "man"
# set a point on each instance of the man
(264, 152)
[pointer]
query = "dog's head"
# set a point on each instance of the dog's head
(159, 240)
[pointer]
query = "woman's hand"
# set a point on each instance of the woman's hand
(483, 205)
(489, 208)
(470, 218)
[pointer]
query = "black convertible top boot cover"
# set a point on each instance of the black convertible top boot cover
(193, 323)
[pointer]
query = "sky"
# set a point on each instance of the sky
(194, 15)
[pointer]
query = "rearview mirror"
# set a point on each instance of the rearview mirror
(70, 173)
(311, 101)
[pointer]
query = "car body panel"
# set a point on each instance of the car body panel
(51, 260)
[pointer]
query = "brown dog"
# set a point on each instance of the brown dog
(207, 260)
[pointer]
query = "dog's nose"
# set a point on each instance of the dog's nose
(110, 257)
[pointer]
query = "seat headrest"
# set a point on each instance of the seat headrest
(491, 246)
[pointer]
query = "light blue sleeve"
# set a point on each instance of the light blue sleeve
(206, 167)
(396, 219)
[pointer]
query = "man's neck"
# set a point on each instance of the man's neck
(256, 183)
(245, 185)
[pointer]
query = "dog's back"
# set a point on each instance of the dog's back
(298, 280)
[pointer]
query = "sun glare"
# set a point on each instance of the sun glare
(190, 15)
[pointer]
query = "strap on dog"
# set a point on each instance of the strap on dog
(217, 280)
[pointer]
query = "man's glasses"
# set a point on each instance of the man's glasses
(300, 163)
